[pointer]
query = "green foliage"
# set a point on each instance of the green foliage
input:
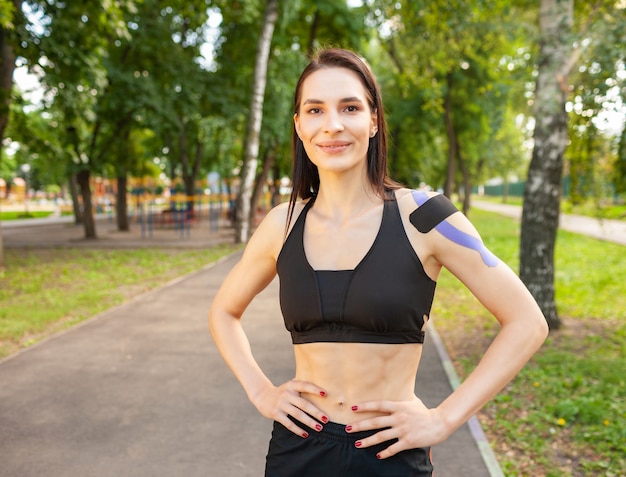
(7, 12)
(436, 50)
(619, 171)
(117, 66)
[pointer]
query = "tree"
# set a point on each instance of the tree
(8, 12)
(248, 171)
(449, 89)
(68, 50)
(542, 195)
(561, 47)
(619, 177)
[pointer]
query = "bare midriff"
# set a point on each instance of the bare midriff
(353, 373)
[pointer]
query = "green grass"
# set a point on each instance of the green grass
(565, 414)
(14, 214)
(590, 208)
(510, 200)
(44, 291)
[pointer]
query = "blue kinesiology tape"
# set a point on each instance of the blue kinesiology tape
(457, 236)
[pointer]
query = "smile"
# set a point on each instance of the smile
(333, 147)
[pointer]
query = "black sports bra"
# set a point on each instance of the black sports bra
(386, 299)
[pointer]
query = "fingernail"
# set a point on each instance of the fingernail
(348, 428)
(318, 427)
(305, 434)
(357, 444)
(324, 419)
(322, 393)
(378, 456)
(355, 408)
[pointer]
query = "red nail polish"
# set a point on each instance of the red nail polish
(357, 444)
(355, 408)
(318, 427)
(324, 419)
(348, 428)
(378, 456)
(305, 434)
(323, 393)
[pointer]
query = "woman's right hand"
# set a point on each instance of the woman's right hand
(288, 399)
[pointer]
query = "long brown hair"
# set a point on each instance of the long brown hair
(305, 176)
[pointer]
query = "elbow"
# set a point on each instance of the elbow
(219, 319)
(540, 330)
(213, 321)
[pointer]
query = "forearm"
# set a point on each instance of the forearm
(234, 347)
(506, 356)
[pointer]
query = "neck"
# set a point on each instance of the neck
(341, 197)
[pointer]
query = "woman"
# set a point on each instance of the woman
(358, 257)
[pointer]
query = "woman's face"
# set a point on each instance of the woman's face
(334, 120)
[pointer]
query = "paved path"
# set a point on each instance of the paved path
(141, 390)
(602, 229)
(62, 232)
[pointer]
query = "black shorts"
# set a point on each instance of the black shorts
(332, 453)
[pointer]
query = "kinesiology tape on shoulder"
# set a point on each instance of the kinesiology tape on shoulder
(433, 212)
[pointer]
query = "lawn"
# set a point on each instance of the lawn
(32, 214)
(43, 291)
(565, 414)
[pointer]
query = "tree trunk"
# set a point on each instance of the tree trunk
(261, 180)
(7, 65)
(248, 170)
(542, 195)
(619, 179)
(85, 192)
(313, 33)
(74, 193)
(448, 187)
(393, 152)
(276, 199)
(467, 180)
(121, 204)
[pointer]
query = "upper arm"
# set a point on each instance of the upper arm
(491, 281)
(257, 266)
(455, 244)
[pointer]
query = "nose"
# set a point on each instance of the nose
(332, 122)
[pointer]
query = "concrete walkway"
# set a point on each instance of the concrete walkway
(141, 390)
(601, 229)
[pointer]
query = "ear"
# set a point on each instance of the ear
(296, 123)
(374, 123)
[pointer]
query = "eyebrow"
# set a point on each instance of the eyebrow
(351, 99)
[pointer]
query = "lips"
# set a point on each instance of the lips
(333, 146)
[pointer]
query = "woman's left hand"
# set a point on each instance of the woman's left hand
(411, 422)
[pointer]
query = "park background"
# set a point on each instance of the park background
(134, 107)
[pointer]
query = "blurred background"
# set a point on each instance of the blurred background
(111, 105)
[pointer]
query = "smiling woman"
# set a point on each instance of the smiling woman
(335, 125)
(357, 282)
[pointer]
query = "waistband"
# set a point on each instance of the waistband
(335, 432)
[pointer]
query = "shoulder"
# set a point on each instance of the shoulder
(424, 208)
(437, 220)
(410, 198)
(270, 234)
